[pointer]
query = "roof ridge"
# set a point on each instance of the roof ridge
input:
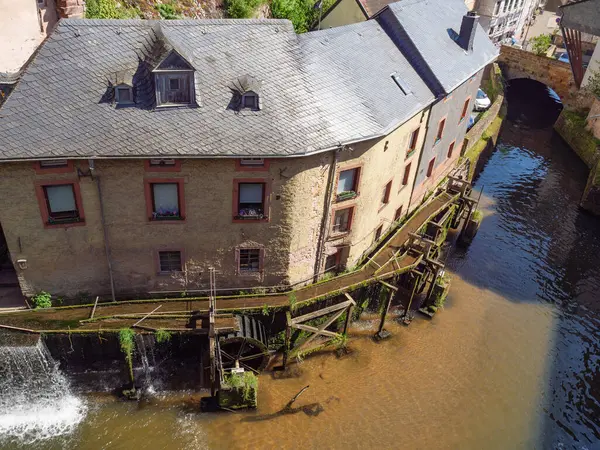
(172, 23)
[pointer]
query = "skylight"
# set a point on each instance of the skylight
(403, 85)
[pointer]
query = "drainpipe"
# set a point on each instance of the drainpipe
(325, 219)
(104, 232)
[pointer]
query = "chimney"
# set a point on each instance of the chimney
(467, 30)
(70, 8)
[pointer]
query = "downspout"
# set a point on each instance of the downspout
(104, 232)
(325, 219)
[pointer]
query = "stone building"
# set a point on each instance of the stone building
(137, 154)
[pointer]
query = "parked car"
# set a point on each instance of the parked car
(482, 101)
(471, 122)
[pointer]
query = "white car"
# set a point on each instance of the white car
(482, 101)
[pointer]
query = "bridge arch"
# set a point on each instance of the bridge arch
(557, 75)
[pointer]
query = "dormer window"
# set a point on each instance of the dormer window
(246, 90)
(173, 89)
(123, 95)
(250, 100)
(174, 81)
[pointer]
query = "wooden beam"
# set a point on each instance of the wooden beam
(350, 299)
(321, 312)
(315, 330)
(94, 308)
(320, 331)
(388, 285)
(146, 316)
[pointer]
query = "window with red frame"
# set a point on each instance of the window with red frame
(412, 146)
(440, 131)
(465, 110)
(398, 214)
(385, 196)
(378, 232)
(451, 149)
(251, 201)
(430, 167)
(348, 184)
(166, 204)
(61, 203)
(406, 175)
(342, 220)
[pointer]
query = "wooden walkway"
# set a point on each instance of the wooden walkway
(387, 262)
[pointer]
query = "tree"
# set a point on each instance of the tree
(541, 44)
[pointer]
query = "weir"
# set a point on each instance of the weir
(36, 401)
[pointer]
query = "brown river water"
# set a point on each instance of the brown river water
(511, 362)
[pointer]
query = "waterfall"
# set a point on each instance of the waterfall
(147, 359)
(36, 402)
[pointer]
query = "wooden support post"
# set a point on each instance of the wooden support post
(288, 336)
(380, 333)
(412, 295)
(348, 316)
(388, 285)
(433, 281)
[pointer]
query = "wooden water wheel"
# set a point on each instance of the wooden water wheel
(247, 347)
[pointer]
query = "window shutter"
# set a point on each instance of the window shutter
(237, 261)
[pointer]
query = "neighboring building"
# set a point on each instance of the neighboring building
(504, 19)
(146, 152)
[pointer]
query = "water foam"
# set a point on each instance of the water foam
(36, 402)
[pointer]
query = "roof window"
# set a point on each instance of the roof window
(403, 85)
(123, 95)
(246, 93)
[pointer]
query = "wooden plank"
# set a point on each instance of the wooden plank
(350, 298)
(320, 312)
(388, 285)
(147, 315)
(94, 308)
(315, 330)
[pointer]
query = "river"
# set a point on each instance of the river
(511, 362)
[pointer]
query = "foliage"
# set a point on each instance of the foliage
(42, 300)
(593, 83)
(241, 9)
(168, 11)
(327, 276)
(162, 336)
(246, 381)
(265, 310)
(340, 341)
(477, 216)
(109, 9)
(292, 301)
(127, 344)
(541, 44)
(573, 130)
(297, 11)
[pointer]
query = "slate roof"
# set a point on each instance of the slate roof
(319, 89)
(362, 89)
(373, 6)
(425, 31)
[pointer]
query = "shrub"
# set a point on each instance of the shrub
(127, 344)
(42, 300)
(109, 9)
(167, 11)
(246, 381)
(292, 300)
(593, 84)
(541, 44)
(297, 11)
(162, 336)
(241, 9)
(477, 216)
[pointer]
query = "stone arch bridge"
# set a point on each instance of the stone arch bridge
(516, 63)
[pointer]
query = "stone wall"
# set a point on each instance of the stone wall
(70, 260)
(593, 119)
(70, 8)
(516, 63)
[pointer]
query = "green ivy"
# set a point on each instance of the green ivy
(162, 336)
(246, 381)
(127, 344)
(167, 11)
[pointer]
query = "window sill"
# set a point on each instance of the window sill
(169, 273)
(383, 205)
(338, 234)
(251, 219)
(249, 273)
(350, 195)
(437, 141)
(167, 219)
(409, 154)
(461, 120)
(402, 187)
(66, 223)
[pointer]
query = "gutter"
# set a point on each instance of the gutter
(104, 232)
